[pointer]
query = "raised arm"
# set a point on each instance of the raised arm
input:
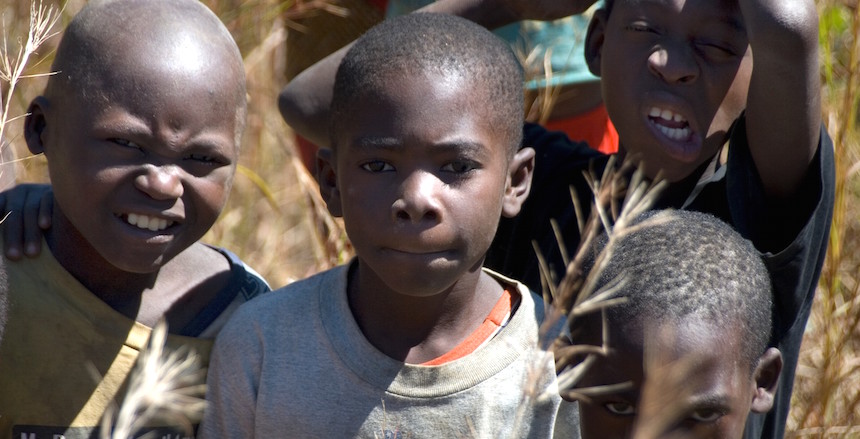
(783, 106)
(304, 102)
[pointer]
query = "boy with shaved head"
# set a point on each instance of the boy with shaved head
(413, 338)
(140, 127)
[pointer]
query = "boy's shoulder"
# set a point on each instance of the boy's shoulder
(773, 226)
(244, 279)
(295, 298)
(242, 285)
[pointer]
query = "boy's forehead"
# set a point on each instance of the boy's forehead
(674, 339)
(115, 47)
(438, 104)
(414, 95)
(727, 10)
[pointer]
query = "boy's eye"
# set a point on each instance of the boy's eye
(706, 415)
(639, 27)
(460, 166)
(620, 408)
(124, 142)
(377, 166)
(202, 158)
(716, 51)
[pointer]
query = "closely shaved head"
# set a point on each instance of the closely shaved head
(113, 46)
(421, 44)
(693, 264)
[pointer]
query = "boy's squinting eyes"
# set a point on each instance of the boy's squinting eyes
(679, 74)
(685, 381)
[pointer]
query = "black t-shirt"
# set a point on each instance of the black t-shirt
(791, 237)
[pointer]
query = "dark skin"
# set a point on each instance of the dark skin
(687, 379)
(782, 127)
(156, 170)
(28, 210)
(421, 186)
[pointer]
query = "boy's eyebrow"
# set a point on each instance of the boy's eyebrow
(125, 123)
(369, 143)
(734, 23)
(374, 142)
(731, 20)
(716, 400)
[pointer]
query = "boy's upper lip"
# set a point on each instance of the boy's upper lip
(667, 101)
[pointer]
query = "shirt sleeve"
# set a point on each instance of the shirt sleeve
(791, 237)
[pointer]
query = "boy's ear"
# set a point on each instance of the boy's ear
(594, 40)
(327, 177)
(766, 378)
(35, 123)
(520, 171)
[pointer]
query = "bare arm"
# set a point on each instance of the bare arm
(304, 102)
(783, 106)
(26, 210)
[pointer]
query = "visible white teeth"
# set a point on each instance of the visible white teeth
(156, 224)
(674, 133)
(665, 114)
(149, 223)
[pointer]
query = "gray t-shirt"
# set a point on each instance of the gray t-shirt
(294, 363)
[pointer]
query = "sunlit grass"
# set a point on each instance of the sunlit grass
(826, 399)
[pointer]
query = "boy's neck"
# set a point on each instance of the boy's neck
(102, 279)
(177, 291)
(419, 329)
(676, 193)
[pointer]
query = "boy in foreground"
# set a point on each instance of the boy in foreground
(741, 142)
(690, 339)
(413, 338)
(140, 127)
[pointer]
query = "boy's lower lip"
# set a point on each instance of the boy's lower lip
(418, 252)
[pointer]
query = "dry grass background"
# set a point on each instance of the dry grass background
(276, 222)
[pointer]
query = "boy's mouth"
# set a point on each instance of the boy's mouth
(147, 222)
(671, 124)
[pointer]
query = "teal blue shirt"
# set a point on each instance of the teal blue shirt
(563, 40)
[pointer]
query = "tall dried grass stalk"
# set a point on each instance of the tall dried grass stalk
(621, 195)
(826, 401)
(13, 63)
(12, 66)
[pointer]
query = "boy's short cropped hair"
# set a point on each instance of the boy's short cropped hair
(687, 263)
(413, 44)
(96, 34)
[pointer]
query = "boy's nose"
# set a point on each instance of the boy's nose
(418, 200)
(160, 182)
(674, 63)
